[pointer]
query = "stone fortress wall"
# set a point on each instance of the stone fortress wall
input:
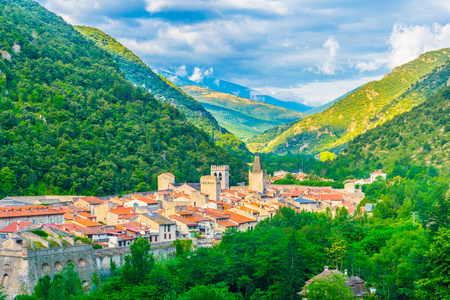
(22, 268)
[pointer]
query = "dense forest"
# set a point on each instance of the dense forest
(403, 258)
(72, 124)
(410, 145)
(141, 75)
(368, 106)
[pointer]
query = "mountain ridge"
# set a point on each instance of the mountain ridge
(355, 113)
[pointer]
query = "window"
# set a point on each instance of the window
(34, 221)
(42, 220)
(51, 220)
(156, 239)
(165, 236)
(170, 236)
(6, 223)
(135, 205)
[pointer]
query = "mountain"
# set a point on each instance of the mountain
(141, 75)
(242, 117)
(369, 106)
(405, 145)
(227, 87)
(70, 123)
(323, 107)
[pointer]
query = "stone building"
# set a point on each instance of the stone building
(223, 174)
(210, 185)
(165, 180)
(257, 177)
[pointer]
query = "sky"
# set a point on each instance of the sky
(309, 51)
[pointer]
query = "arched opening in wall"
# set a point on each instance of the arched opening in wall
(84, 283)
(5, 281)
(58, 266)
(45, 268)
(220, 176)
(70, 262)
(81, 262)
(215, 174)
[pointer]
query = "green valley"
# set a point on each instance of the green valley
(370, 105)
(242, 117)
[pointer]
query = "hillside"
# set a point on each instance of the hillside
(227, 87)
(242, 117)
(138, 73)
(72, 124)
(323, 107)
(418, 138)
(372, 104)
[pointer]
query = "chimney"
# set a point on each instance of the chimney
(326, 268)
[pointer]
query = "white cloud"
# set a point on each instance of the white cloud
(408, 42)
(363, 66)
(199, 74)
(329, 65)
(316, 93)
(181, 71)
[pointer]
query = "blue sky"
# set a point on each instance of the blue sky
(308, 51)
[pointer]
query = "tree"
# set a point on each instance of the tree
(208, 292)
(326, 155)
(328, 287)
(437, 284)
(139, 264)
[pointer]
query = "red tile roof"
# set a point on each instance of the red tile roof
(239, 218)
(120, 210)
(91, 200)
(168, 174)
(228, 224)
(85, 222)
(29, 211)
(15, 227)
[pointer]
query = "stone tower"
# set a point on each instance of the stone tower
(223, 174)
(257, 177)
(165, 180)
(210, 185)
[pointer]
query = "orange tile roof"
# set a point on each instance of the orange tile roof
(148, 200)
(15, 227)
(69, 216)
(334, 197)
(29, 211)
(91, 200)
(86, 215)
(239, 218)
(120, 210)
(85, 222)
(168, 174)
(228, 224)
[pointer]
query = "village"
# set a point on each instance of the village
(201, 211)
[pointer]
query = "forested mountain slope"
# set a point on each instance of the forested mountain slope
(419, 138)
(71, 123)
(370, 105)
(242, 117)
(138, 73)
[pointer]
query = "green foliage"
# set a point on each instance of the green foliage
(97, 246)
(65, 285)
(333, 184)
(412, 145)
(182, 246)
(72, 124)
(138, 73)
(328, 287)
(367, 107)
(139, 263)
(326, 155)
(208, 292)
(40, 233)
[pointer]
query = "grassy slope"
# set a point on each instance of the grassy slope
(420, 137)
(137, 72)
(241, 116)
(357, 112)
